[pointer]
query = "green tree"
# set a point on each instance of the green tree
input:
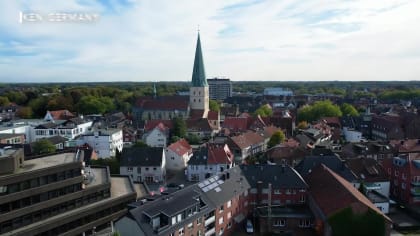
(317, 110)
(43, 146)
(302, 125)
(193, 139)
(4, 101)
(140, 144)
(348, 110)
(264, 111)
(24, 112)
(180, 127)
(214, 106)
(277, 138)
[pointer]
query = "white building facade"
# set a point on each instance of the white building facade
(104, 142)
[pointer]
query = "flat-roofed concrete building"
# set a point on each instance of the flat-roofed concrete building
(58, 195)
(220, 88)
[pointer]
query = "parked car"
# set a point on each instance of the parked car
(249, 227)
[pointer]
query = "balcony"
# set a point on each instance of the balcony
(212, 231)
(209, 220)
(415, 191)
(415, 183)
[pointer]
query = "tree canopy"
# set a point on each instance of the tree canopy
(214, 106)
(317, 110)
(277, 138)
(264, 111)
(43, 146)
(348, 110)
(180, 127)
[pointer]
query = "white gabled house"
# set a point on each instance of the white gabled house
(105, 142)
(209, 160)
(178, 154)
(144, 164)
(157, 137)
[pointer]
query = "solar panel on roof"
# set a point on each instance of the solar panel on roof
(205, 189)
(212, 180)
(217, 189)
(201, 185)
(212, 186)
(206, 182)
(220, 182)
(216, 177)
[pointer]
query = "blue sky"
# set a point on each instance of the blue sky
(280, 40)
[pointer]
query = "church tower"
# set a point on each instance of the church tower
(199, 90)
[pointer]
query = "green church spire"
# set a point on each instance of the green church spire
(199, 74)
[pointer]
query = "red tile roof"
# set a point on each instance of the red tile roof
(247, 139)
(236, 124)
(180, 147)
(151, 124)
(408, 145)
(219, 154)
(332, 193)
(61, 114)
(213, 115)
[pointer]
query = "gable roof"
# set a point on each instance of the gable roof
(236, 124)
(278, 176)
(180, 147)
(61, 114)
(142, 156)
(332, 193)
(247, 139)
(151, 124)
(333, 162)
(211, 154)
(367, 169)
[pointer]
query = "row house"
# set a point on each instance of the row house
(144, 164)
(209, 160)
(212, 207)
(404, 170)
(387, 127)
(70, 129)
(12, 138)
(105, 142)
(376, 150)
(331, 195)
(178, 154)
(375, 179)
(246, 144)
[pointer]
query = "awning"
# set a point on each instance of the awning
(239, 218)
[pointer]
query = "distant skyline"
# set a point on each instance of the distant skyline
(245, 40)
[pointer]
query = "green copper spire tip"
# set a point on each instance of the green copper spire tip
(199, 74)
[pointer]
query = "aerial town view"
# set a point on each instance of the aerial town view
(209, 118)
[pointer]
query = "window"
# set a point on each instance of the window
(221, 220)
(396, 173)
(199, 220)
(129, 169)
(277, 191)
(147, 168)
(229, 225)
(279, 222)
(288, 192)
(229, 203)
(181, 231)
(403, 176)
(221, 231)
(154, 168)
(173, 220)
(403, 185)
(190, 225)
(304, 223)
(302, 198)
(221, 208)
(179, 217)
(229, 215)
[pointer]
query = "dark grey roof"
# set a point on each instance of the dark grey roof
(333, 162)
(47, 125)
(228, 184)
(279, 176)
(199, 157)
(142, 156)
(171, 205)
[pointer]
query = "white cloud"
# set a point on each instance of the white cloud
(261, 40)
